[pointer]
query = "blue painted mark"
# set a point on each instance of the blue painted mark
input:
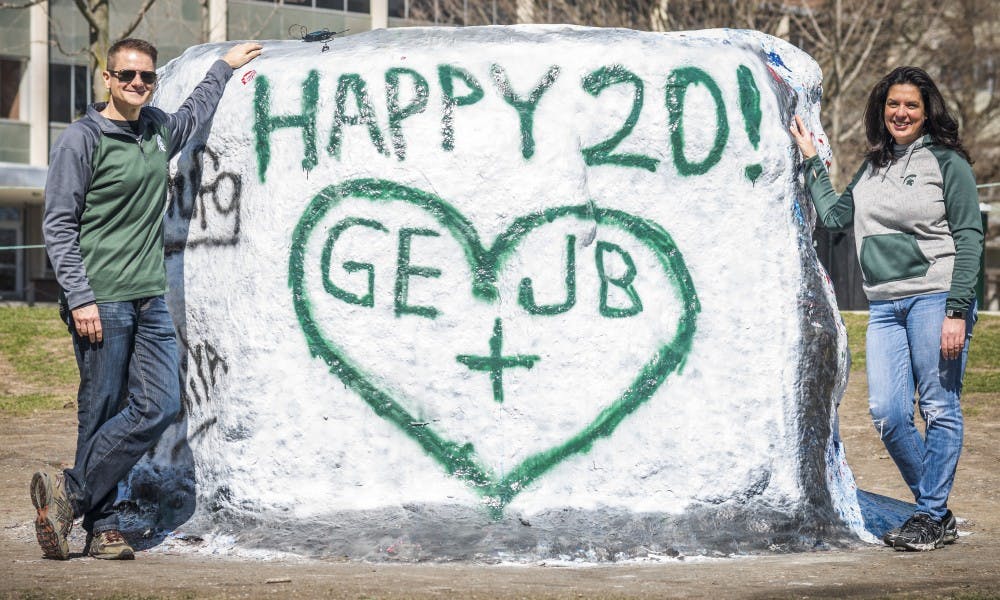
(798, 213)
(775, 59)
(881, 513)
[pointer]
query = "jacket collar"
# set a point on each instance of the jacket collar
(110, 128)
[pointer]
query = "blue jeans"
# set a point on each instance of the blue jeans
(903, 357)
(129, 394)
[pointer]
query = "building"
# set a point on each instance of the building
(45, 85)
(45, 82)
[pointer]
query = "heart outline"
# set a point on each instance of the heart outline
(460, 460)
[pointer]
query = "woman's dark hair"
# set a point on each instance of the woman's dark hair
(940, 125)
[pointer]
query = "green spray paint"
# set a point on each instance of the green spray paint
(624, 282)
(265, 123)
(750, 106)
(526, 291)
(496, 362)
(461, 460)
(398, 112)
(352, 83)
(601, 153)
(525, 107)
(447, 74)
(349, 266)
(404, 270)
(677, 84)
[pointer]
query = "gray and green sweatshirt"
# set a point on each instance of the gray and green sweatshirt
(916, 222)
(106, 192)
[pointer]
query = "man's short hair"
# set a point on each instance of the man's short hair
(131, 44)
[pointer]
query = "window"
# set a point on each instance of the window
(69, 92)
(8, 260)
(10, 235)
(10, 88)
(358, 6)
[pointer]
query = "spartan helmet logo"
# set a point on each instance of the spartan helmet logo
(908, 180)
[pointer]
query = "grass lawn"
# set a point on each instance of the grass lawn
(38, 371)
(37, 368)
(982, 373)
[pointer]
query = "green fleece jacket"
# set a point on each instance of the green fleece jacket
(916, 222)
(106, 193)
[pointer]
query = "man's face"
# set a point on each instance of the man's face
(132, 93)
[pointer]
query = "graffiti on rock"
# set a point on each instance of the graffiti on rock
(204, 201)
(486, 262)
(460, 88)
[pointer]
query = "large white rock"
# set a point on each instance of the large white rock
(504, 292)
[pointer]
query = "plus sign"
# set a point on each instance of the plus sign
(495, 363)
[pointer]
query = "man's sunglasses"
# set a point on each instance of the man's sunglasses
(127, 75)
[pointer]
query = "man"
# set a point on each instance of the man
(104, 203)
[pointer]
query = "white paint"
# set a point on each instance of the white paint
(278, 436)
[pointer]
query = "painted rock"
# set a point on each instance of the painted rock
(508, 293)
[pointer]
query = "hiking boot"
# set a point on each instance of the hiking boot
(108, 545)
(55, 514)
(919, 533)
(950, 525)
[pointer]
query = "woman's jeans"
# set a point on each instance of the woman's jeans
(129, 394)
(903, 357)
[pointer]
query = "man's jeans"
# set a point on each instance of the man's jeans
(903, 357)
(129, 394)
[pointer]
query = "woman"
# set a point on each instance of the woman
(919, 236)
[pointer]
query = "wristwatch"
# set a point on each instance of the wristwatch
(953, 313)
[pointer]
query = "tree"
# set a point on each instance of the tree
(651, 15)
(667, 15)
(851, 43)
(962, 53)
(95, 13)
(856, 44)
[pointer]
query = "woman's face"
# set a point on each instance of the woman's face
(904, 113)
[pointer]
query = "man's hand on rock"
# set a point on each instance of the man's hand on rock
(241, 54)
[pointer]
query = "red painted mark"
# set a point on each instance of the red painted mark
(775, 75)
(248, 76)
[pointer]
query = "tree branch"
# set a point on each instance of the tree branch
(88, 13)
(16, 6)
(260, 30)
(816, 28)
(56, 33)
(59, 46)
(138, 19)
(849, 78)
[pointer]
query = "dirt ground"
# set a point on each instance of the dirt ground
(968, 569)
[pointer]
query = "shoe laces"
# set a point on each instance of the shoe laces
(112, 536)
(921, 524)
